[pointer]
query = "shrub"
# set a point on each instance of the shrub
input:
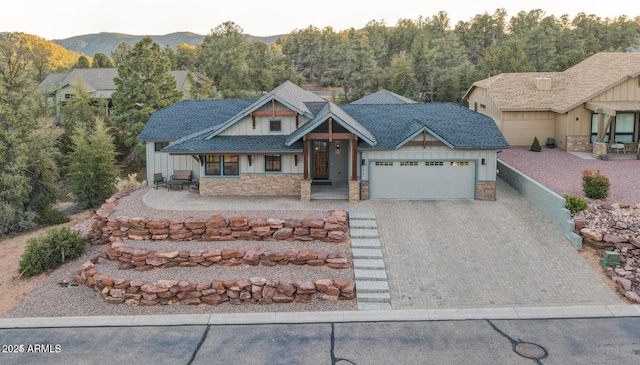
(13, 220)
(51, 250)
(594, 184)
(535, 146)
(50, 215)
(575, 203)
(129, 182)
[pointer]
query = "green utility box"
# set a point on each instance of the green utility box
(610, 258)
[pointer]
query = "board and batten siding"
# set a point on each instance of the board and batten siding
(625, 91)
(244, 127)
(257, 165)
(166, 163)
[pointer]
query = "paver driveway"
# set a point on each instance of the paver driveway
(453, 254)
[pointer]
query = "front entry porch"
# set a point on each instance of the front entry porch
(338, 190)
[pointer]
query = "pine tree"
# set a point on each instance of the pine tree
(92, 165)
(143, 85)
(535, 146)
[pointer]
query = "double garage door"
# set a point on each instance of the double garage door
(422, 180)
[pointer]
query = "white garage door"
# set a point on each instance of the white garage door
(422, 180)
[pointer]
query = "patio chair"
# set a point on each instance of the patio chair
(617, 146)
(158, 180)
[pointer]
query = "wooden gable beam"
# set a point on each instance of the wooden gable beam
(273, 108)
(273, 113)
(330, 129)
(297, 121)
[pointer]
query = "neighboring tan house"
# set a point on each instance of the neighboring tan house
(589, 102)
(290, 141)
(98, 82)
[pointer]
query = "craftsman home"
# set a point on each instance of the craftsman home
(98, 82)
(597, 100)
(383, 146)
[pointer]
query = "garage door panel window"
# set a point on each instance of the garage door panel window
(434, 163)
(384, 163)
(459, 163)
(409, 163)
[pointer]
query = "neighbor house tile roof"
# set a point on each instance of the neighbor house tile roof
(570, 88)
(383, 97)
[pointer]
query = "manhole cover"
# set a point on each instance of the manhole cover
(530, 350)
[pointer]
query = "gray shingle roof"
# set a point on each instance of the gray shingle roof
(190, 116)
(234, 144)
(383, 97)
(96, 80)
(287, 93)
(330, 110)
(570, 88)
(457, 126)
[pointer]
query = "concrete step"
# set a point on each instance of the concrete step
(364, 233)
(361, 215)
(367, 253)
(364, 306)
(374, 298)
(365, 243)
(364, 274)
(368, 264)
(366, 286)
(358, 223)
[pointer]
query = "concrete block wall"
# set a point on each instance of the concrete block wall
(550, 204)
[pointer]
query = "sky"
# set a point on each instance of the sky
(63, 19)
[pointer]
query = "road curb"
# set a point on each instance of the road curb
(515, 313)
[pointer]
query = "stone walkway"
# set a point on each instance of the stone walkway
(452, 254)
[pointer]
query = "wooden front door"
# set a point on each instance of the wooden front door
(320, 159)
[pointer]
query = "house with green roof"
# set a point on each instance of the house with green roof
(97, 82)
(594, 103)
(290, 142)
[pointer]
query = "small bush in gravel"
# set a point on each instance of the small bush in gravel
(575, 203)
(594, 184)
(51, 250)
(535, 146)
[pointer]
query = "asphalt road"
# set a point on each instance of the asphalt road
(560, 341)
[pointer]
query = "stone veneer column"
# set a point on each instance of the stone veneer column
(599, 149)
(305, 190)
(354, 191)
(486, 190)
(365, 190)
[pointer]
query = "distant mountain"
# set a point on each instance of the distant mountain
(90, 44)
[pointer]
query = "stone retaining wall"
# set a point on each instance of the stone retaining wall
(143, 259)
(108, 227)
(253, 290)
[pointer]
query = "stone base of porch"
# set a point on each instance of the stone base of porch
(305, 190)
(252, 184)
(354, 190)
(579, 143)
(599, 149)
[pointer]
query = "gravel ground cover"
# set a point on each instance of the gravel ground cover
(562, 172)
(51, 299)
